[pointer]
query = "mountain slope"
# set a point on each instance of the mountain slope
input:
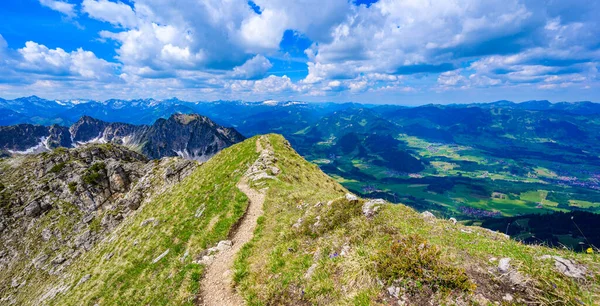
(314, 244)
(56, 206)
(189, 218)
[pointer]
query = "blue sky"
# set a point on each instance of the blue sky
(387, 51)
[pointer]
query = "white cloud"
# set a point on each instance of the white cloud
(359, 85)
(264, 31)
(272, 84)
(116, 13)
(451, 78)
(391, 47)
(253, 68)
(209, 35)
(58, 63)
(335, 83)
(63, 7)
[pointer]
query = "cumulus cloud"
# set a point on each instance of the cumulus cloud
(57, 63)
(116, 13)
(512, 40)
(209, 35)
(63, 7)
(254, 68)
(264, 31)
(226, 47)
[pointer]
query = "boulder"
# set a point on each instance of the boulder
(58, 260)
(148, 221)
(504, 265)
(224, 245)
(371, 207)
(298, 223)
(16, 282)
(351, 198)
(311, 270)
(84, 240)
(275, 170)
(46, 234)
(345, 250)
(88, 218)
(84, 279)
(509, 274)
(393, 291)
(206, 260)
(428, 215)
(39, 261)
(33, 209)
(567, 267)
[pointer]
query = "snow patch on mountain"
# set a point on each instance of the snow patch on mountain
(42, 146)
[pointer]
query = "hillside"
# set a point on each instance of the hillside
(313, 244)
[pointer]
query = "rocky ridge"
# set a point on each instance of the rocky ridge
(189, 136)
(56, 206)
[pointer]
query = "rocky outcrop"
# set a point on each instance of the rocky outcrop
(371, 207)
(57, 205)
(567, 267)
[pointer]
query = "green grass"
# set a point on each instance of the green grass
(94, 173)
(129, 277)
(57, 168)
(584, 204)
(428, 260)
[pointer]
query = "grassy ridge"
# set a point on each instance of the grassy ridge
(308, 250)
(312, 246)
(122, 269)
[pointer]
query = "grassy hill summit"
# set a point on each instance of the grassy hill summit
(271, 229)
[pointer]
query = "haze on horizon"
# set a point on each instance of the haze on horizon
(407, 52)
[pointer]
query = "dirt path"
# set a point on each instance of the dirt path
(216, 285)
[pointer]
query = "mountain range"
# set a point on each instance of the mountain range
(37, 110)
(185, 135)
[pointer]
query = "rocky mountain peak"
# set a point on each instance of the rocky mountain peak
(86, 128)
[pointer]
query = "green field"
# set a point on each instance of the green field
(458, 177)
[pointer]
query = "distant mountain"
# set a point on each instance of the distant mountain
(578, 108)
(252, 118)
(189, 136)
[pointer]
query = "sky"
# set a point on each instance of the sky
(408, 52)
